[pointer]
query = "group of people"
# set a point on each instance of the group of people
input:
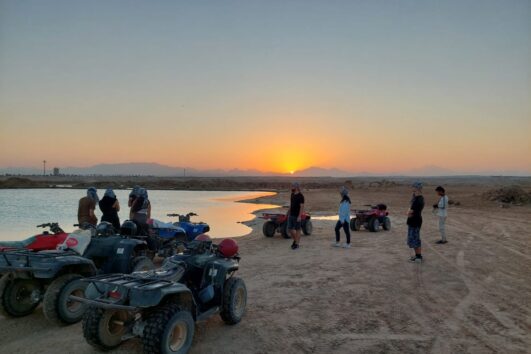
(138, 202)
(414, 217)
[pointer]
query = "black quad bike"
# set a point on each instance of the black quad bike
(161, 306)
(29, 278)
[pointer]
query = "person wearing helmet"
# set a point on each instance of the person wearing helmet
(442, 212)
(295, 211)
(110, 207)
(344, 218)
(414, 222)
(86, 207)
(133, 195)
(141, 210)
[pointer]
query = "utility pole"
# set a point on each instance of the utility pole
(44, 167)
(184, 172)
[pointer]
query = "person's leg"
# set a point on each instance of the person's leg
(418, 250)
(442, 227)
(347, 231)
(337, 228)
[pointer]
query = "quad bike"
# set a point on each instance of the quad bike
(192, 229)
(371, 219)
(277, 222)
(161, 306)
(29, 278)
(43, 241)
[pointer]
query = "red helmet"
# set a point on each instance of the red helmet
(228, 248)
(203, 237)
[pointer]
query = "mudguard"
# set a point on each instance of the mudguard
(133, 291)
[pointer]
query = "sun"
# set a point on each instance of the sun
(291, 172)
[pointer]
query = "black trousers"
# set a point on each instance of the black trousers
(345, 227)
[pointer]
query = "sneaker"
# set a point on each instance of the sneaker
(440, 242)
(415, 259)
(346, 245)
(337, 244)
(443, 242)
(295, 246)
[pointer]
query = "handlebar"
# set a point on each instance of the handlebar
(179, 215)
(54, 227)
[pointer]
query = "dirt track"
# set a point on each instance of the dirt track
(472, 295)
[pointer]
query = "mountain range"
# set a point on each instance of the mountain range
(155, 169)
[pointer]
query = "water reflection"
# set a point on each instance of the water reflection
(22, 209)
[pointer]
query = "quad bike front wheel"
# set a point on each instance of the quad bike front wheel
(142, 264)
(355, 224)
(234, 301)
(104, 329)
(169, 329)
(307, 227)
(386, 224)
(57, 306)
(374, 225)
(19, 297)
(269, 228)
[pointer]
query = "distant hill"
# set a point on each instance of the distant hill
(156, 169)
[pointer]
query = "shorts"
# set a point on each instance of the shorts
(413, 237)
(293, 224)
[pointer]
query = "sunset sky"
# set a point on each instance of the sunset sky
(379, 86)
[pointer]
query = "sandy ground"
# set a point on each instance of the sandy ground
(472, 295)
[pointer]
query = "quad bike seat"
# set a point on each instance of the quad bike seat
(381, 207)
(14, 244)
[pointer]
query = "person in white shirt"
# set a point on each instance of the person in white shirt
(442, 213)
(344, 218)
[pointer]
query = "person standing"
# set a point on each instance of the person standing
(442, 213)
(344, 218)
(414, 222)
(86, 208)
(295, 211)
(110, 207)
(141, 210)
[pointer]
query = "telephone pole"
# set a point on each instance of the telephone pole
(44, 167)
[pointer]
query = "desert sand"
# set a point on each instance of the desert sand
(472, 295)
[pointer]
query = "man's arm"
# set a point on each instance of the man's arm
(300, 212)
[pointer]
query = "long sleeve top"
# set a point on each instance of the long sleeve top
(344, 211)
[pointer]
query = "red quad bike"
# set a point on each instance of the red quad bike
(40, 242)
(277, 222)
(371, 219)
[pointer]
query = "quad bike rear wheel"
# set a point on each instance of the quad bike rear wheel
(374, 225)
(284, 230)
(19, 297)
(142, 264)
(269, 228)
(355, 224)
(57, 306)
(386, 224)
(307, 227)
(234, 301)
(169, 329)
(104, 329)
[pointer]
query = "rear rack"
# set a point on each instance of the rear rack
(25, 258)
(128, 281)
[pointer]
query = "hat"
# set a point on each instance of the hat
(343, 191)
(295, 185)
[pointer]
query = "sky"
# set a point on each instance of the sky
(379, 86)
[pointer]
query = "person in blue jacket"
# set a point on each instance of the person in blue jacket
(344, 219)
